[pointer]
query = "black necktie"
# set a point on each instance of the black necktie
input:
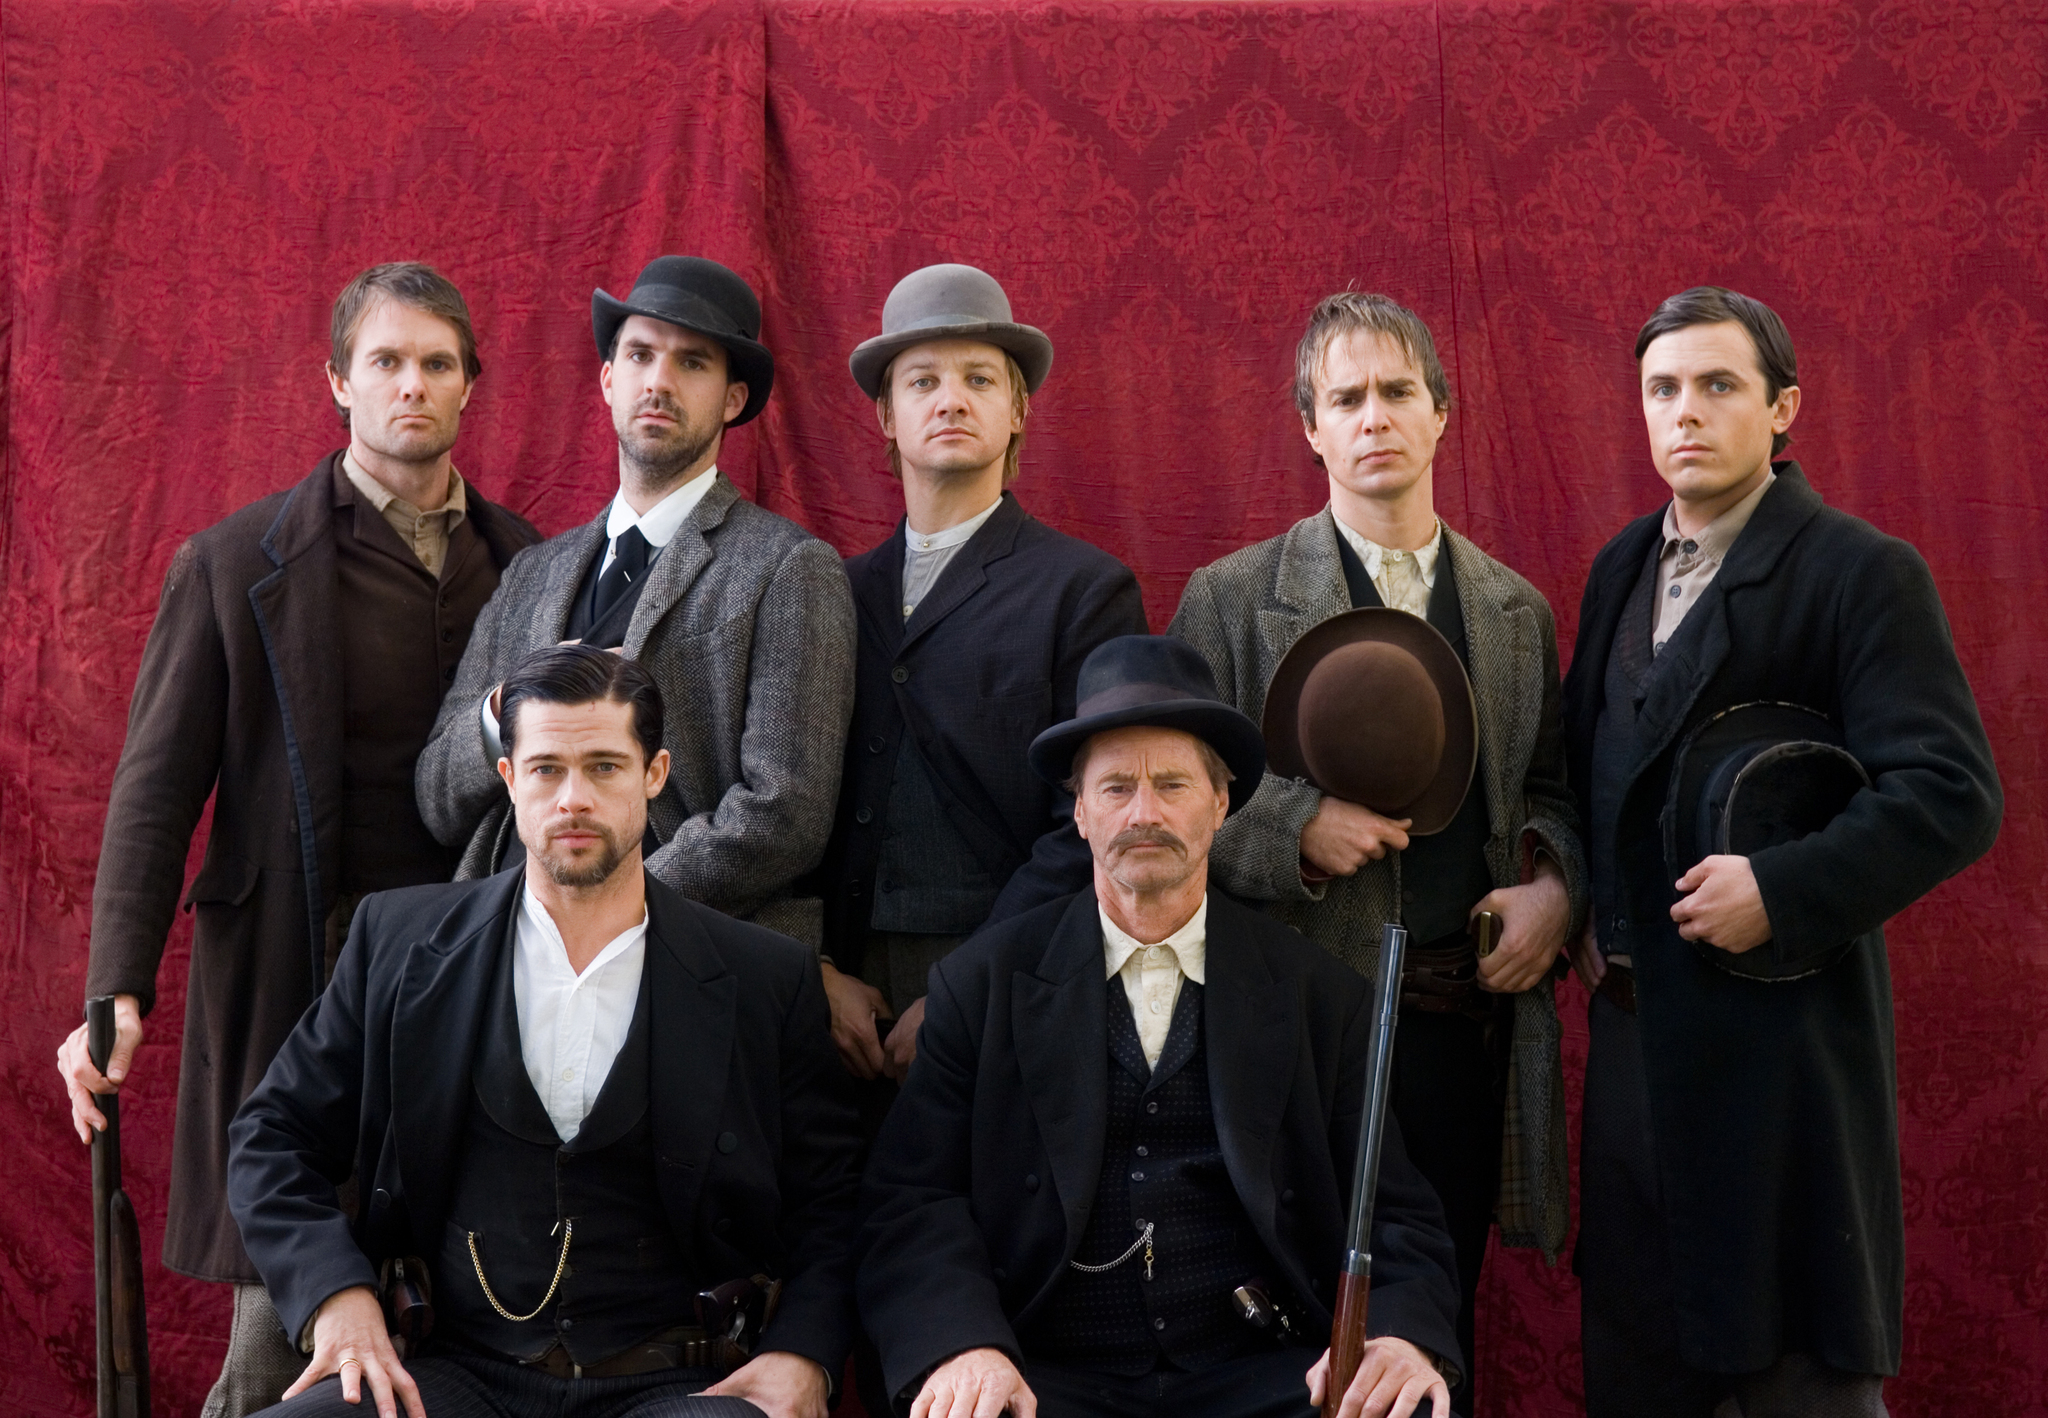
(629, 564)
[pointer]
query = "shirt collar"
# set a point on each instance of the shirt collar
(952, 536)
(1375, 556)
(662, 521)
(1190, 944)
(382, 497)
(1717, 536)
(546, 945)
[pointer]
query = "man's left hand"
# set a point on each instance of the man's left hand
(1393, 1379)
(1533, 918)
(1723, 907)
(899, 1050)
(781, 1385)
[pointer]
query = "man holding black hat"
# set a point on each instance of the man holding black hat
(1778, 751)
(740, 615)
(1418, 772)
(974, 620)
(1132, 1103)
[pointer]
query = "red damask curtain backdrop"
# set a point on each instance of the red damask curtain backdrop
(1165, 187)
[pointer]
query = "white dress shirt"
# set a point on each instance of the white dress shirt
(1152, 973)
(926, 554)
(571, 1026)
(1404, 579)
(660, 523)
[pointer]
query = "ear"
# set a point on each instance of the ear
(657, 774)
(505, 772)
(1080, 822)
(468, 388)
(1786, 409)
(735, 399)
(337, 385)
(604, 380)
(885, 415)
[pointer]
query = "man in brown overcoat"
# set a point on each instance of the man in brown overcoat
(297, 662)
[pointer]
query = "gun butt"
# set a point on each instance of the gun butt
(1347, 1337)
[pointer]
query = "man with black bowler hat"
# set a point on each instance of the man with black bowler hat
(740, 615)
(1742, 1238)
(575, 1100)
(295, 668)
(1131, 1103)
(974, 620)
(1478, 1079)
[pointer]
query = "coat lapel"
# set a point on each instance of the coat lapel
(1062, 1041)
(297, 609)
(569, 556)
(696, 1010)
(967, 573)
(1254, 1032)
(681, 562)
(1308, 588)
(877, 584)
(1504, 645)
(442, 999)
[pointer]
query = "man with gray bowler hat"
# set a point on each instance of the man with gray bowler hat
(974, 619)
(742, 617)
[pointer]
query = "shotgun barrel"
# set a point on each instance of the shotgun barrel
(1354, 1282)
(121, 1325)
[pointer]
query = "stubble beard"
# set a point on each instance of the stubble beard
(423, 445)
(563, 871)
(660, 461)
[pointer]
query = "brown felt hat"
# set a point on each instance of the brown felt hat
(1373, 706)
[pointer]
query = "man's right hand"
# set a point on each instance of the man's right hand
(1342, 837)
(349, 1339)
(856, 1005)
(82, 1080)
(980, 1383)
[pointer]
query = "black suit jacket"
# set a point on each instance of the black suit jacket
(1775, 1104)
(979, 1190)
(990, 660)
(754, 1134)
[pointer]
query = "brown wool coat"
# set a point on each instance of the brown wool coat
(239, 696)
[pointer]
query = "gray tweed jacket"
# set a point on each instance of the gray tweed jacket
(747, 626)
(1244, 613)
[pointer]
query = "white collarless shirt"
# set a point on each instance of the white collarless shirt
(571, 1026)
(660, 523)
(926, 554)
(1404, 579)
(1152, 973)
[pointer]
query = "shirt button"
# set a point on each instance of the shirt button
(1151, 1107)
(900, 674)
(1676, 591)
(1137, 1176)
(1143, 1153)
(1158, 1008)
(1688, 547)
(568, 1075)
(1159, 1324)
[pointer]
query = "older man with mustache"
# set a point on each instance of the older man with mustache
(743, 618)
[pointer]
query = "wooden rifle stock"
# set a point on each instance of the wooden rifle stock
(1354, 1283)
(122, 1327)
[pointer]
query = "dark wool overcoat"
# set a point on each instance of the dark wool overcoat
(239, 697)
(1774, 1105)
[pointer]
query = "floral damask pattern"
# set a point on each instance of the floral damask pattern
(1967, 61)
(1518, 66)
(1746, 71)
(2023, 214)
(1370, 61)
(1623, 218)
(109, 95)
(898, 65)
(1137, 74)
(1872, 199)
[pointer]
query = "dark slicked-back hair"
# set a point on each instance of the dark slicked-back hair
(412, 283)
(1716, 305)
(1351, 310)
(578, 674)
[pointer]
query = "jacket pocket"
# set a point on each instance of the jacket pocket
(224, 881)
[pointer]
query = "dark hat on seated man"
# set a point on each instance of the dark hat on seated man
(698, 295)
(950, 302)
(1373, 706)
(1153, 681)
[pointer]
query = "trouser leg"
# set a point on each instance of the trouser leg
(1267, 1384)
(1063, 1391)
(1628, 1317)
(261, 1361)
(1801, 1386)
(1448, 1095)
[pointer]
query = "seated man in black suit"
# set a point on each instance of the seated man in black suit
(1093, 1148)
(580, 1097)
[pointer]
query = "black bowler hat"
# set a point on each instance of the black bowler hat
(698, 295)
(1159, 682)
(1755, 776)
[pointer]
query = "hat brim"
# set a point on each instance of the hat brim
(1438, 804)
(1234, 737)
(1027, 344)
(749, 360)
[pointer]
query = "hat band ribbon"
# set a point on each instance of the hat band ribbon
(1133, 696)
(688, 305)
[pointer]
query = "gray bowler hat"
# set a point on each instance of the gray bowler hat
(945, 303)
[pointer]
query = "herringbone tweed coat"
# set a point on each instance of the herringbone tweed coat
(1244, 613)
(747, 626)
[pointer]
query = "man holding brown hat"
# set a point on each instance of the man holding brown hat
(974, 618)
(1409, 688)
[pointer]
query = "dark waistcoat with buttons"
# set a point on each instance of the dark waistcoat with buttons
(1631, 666)
(517, 1185)
(1161, 1162)
(1443, 875)
(403, 632)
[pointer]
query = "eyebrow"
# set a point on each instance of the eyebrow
(1398, 381)
(1709, 374)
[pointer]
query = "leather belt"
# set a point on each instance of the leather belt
(683, 1347)
(1619, 986)
(1442, 977)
